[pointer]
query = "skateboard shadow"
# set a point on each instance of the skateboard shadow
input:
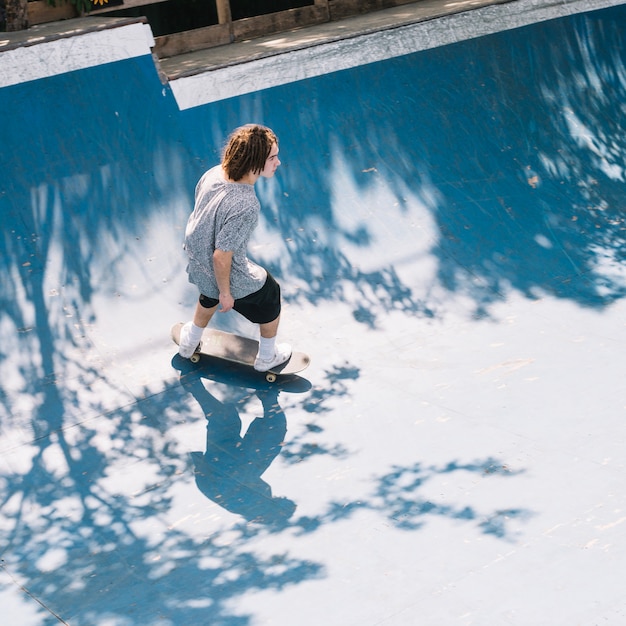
(221, 371)
(229, 471)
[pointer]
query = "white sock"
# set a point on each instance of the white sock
(195, 333)
(267, 348)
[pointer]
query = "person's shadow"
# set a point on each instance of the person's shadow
(229, 471)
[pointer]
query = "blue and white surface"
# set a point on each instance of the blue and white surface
(448, 228)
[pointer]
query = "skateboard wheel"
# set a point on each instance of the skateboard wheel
(270, 378)
(195, 357)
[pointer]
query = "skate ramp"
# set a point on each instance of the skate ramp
(448, 230)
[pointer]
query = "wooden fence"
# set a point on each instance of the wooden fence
(227, 30)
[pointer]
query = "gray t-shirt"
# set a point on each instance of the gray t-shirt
(224, 216)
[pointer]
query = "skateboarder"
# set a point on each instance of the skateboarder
(225, 214)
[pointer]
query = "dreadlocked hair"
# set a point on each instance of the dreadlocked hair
(247, 150)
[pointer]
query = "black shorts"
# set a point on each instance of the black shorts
(260, 307)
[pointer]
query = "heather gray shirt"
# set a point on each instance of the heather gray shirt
(224, 216)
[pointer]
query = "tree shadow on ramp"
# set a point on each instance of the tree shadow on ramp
(500, 157)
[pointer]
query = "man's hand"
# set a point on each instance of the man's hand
(222, 262)
(226, 302)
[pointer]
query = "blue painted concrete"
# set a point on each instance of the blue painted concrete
(448, 228)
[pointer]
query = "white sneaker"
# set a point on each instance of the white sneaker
(185, 347)
(282, 353)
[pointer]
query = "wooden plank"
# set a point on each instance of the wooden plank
(223, 11)
(239, 30)
(40, 12)
(192, 40)
(279, 22)
(128, 4)
(345, 8)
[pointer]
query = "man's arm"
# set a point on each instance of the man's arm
(222, 262)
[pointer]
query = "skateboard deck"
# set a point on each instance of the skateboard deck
(242, 350)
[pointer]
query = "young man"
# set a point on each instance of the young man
(226, 213)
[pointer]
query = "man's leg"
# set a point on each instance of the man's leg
(202, 316)
(191, 332)
(270, 330)
(258, 306)
(270, 355)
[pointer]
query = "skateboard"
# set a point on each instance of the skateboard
(242, 350)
